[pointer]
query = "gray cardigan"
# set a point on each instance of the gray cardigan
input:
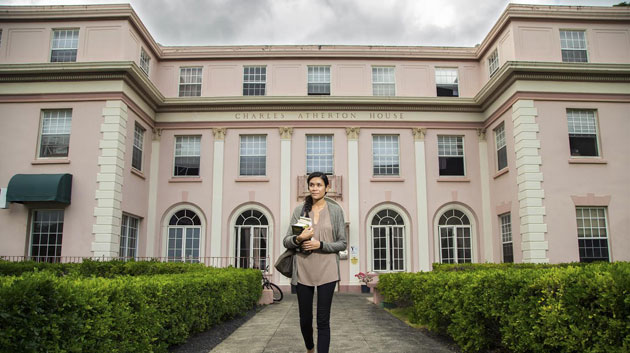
(339, 235)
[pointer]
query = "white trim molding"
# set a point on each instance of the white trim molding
(529, 179)
(111, 161)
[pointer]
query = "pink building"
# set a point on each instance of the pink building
(114, 145)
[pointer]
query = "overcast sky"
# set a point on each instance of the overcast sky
(365, 22)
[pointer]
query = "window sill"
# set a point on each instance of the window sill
(137, 173)
(51, 161)
(501, 172)
(388, 179)
(251, 179)
(461, 179)
(185, 180)
(594, 160)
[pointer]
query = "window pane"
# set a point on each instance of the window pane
(46, 235)
(493, 62)
(319, 154)
(319, 80)
(451, 155)
(187, 155)
(582, 132)
(385, 154)
(254, 80)
(253, 155)
(573, 45)
(64, 45)
(592, 234)
(55, 133)
(383, 81)
(144, 61)
(190, 81)
(446, 82)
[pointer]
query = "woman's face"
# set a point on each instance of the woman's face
(317, 188)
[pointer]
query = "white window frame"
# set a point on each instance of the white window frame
(188, 152)
(262, 230)
(437, 245)
(251, 153)
(505, 223)
(459, 139)
(145, 61)
(42, 133)
(385, 156)
(127, 234)
(598, 228)
(573, 41)
(500, 143)
(493, 62)
(318, 75)
(443, 74)
(201, 227)
(407, 250)
(138, 142)
(73, 47)
(588, 129)
(321, 154)
(247, 79)
(190, 76)
(381, 76)
(46, 258)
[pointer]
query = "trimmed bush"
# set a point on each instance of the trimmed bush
(107, 269)
(533, 308)
(41, 311)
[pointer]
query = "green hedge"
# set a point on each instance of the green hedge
(99, 268)
(565, 308)
(45, 312)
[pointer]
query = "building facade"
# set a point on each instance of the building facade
(113, 145)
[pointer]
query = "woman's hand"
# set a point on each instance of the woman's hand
(312, 244)
(306, 234)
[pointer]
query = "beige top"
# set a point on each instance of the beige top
(319, 268)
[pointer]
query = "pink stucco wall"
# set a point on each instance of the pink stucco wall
(173, 191)
(467, 192)
(19, 134)
(503, 189)
(540, 41)
(135, 189)
(563, 179)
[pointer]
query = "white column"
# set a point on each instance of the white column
(217, 192)
(529, 179)
(152, 235)
(353, 200)
(108, 211)
(485, 198)
(286, 134)
(421, 201)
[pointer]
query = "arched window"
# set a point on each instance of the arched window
(388, 241)
(251, 231)
(455, 245)
(184, 230)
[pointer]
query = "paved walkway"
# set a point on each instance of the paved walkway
(356, 324)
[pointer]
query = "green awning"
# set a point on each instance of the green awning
(40, 188)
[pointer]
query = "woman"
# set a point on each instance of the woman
(318, 266)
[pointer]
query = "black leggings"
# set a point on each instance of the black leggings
(305, 303)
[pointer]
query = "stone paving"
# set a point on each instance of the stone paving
(356, 324)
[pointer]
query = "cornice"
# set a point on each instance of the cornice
(125, 11)
(131, 74)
